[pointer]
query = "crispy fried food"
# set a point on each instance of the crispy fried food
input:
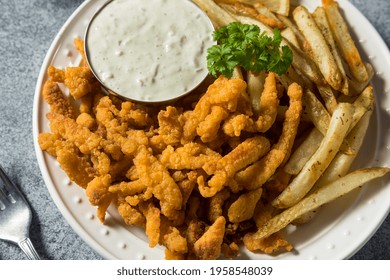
(258, 173)
(98, 194)
(206, 174)
(80, 81)
(224, 93)
(243, 208)
(208, 246)
(190, 156)
(268, 109)
(156, 177)
(53, 96)
(244, 154)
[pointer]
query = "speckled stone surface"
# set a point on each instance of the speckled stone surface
(27, 28)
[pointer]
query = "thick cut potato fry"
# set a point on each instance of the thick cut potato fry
(318, 47)
(316, 112)
(342, 161)
(218, 16)
(345, 42)
(255, 88)
(324, 195)
(304, 181)
(304, 152)
(319, 16)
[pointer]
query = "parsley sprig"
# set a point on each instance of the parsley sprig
(244, 45)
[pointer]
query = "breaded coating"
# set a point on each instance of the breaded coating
(80, 136)
(135, 116)
(169, 131)
(80, 81)
(243, 208)
(208, 246)
(156, 177)
(58, 103)
(152, 228)
(268, 110)
(216, 204)
(208, 129)
(98, 194)
(269, 245)
(79, 44)
(50, 143)
(86, 120)
(78, 168)
(127, 188)
(224, 93)
(174, 241)
(243, 155)
(55, 74)
(190, 156)
(258, 173)
(130, 215)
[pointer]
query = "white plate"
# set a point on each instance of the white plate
(337, 232)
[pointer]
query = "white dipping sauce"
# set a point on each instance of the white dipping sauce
(149, 50)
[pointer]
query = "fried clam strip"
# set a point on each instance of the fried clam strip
(99, 195)
(244, 154)
(268, 110)
(153, 222)
(324, 195)
(190, 156)
(317, 164)
(319, 49)
(208, 246)
(244, 207)
(156, 177)
(169, 131)
(86, 141)
(80, 81)
(344, 41)
(224, 93)
(258, 173)
(55, 98)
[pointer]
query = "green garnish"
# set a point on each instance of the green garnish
(244, 45)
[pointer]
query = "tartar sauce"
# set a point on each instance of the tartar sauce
(149, 51)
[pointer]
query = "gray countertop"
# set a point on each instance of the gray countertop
(27, 28)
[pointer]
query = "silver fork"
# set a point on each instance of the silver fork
(15, 216)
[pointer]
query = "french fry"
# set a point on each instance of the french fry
(328, 96)
(255, 83)
(345, 42)
(304, 152)
(324, 195)
(304, 181)
(299, 36)
(217, 15)
(278, 6)
(316, 112)
(319, 16)
(342, 161)
(318, 47)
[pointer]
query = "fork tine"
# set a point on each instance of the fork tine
(8, 188)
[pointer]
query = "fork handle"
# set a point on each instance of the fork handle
(28, 248)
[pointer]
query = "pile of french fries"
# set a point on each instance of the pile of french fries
(338, 100)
